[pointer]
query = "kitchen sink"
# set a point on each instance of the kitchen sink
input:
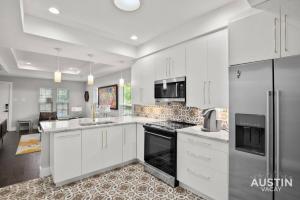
(104, 122)
(95, 123)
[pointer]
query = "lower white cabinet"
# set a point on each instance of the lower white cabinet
(101, 148)
(77, 153)
(129, 142)
(92, 143)
(112, 146)
(202, 164)
(66, 155)
(140, 137)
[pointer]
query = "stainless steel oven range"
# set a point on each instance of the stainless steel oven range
(160, 153)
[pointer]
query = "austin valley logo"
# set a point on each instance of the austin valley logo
(267, 184)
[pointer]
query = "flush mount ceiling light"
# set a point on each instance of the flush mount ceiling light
(134, 37)
(54, 11)
(127, 5)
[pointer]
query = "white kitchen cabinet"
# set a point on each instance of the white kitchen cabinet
(254, 38)
(207, 71)
(196, 60)
(143, 75)
(177, 61)
(129, 142)
(202, 164)
(112, 146)
(161, 65)
(217, 70)
(140, 142)
(101, 148)
(66, 155)
(136, 89)
(290, 28)
(170, 63)
(92, 145)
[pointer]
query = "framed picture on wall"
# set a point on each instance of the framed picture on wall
(108, 95)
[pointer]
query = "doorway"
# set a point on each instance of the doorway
(6, 103)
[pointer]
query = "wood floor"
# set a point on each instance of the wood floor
(15, 169)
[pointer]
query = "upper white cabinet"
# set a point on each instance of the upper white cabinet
(217, 70)
(290, 28)
(203, 61)
(196, 60)
(254, 38)
(129, 142)
(142, 81)
(170, 63)
(270, 34)
(207, 71)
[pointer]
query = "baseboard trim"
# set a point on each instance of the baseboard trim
(13, 129)
(61, 183)
(45, 172)
(194, 191)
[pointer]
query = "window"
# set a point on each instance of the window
(127, 94)
(62, 102)
(127, 99)
(45, 100)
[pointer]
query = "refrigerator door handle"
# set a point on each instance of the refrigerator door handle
(277, 132)
(269, 94)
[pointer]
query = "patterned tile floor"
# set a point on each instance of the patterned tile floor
(129, 182)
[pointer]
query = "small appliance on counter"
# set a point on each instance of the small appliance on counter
(211, 124)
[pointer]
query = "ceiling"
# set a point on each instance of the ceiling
(29, 33)
(100, 16)
(48, 63)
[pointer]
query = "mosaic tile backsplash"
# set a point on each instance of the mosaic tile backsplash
(178, 112)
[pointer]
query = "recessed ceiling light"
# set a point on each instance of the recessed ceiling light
(54, 11)
(134, 37)
(28, 63)
(127, 5)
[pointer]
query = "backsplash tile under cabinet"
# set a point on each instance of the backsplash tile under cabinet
(178, 112)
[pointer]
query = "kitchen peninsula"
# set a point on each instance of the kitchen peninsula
(78, 148)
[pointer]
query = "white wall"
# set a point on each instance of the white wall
(105, 81)
(25, 95)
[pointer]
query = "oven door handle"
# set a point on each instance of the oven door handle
(162, 136)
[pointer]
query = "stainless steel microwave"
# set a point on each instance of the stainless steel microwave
(170, 90)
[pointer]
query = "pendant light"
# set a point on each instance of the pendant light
(121, 81)
(57, 74)
(90, 77)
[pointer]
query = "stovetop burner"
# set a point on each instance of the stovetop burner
(172, 124)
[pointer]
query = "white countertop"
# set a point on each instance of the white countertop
(222, 135)
(74, 124)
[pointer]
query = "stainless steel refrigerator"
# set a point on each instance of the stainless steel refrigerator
(264, 114)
